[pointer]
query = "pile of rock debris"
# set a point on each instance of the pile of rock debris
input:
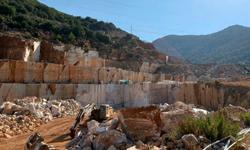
(144, 128)
(23, 115)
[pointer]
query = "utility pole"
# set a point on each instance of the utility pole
(131, 30)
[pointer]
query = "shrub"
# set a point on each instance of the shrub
(217, 83)
(7, 10)
(59, 37)
(102, 37)
(213, 127)
(246, 118)
(71, 37)
(188, 125)
(37, 34)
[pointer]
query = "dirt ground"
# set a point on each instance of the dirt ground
(55, 133)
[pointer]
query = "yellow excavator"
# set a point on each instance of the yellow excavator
(104, 112)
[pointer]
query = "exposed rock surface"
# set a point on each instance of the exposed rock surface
(141, 123)
(132, 95)
(108, 138)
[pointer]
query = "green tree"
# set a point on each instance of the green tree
(71, 37)
(59, 37)
(79, 31)
(102, 37)
(7, 10)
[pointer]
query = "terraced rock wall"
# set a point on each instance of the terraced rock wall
(88, 73)
(132, 95)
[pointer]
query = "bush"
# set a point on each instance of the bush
(59, 37)
(37, 34)
(213, 127)
(217, 83)
(7, 10)
(102, 37)
(246, 118)
(71, 37)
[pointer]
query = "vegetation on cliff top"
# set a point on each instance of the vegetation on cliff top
(38, 20)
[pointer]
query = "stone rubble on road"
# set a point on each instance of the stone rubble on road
(23, 115)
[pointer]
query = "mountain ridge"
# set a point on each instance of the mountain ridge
(230, 45)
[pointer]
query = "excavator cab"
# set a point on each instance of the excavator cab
(104, 111)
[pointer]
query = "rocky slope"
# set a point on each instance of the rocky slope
(32, 19)
(230, 45)
(208, 72)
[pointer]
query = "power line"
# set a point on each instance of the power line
(121, 4)
(150, 27)
(121, 15)
(88, 8)
(144, 8)
(148, 9)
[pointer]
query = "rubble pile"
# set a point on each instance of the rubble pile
(99, 136)
(147, 128)
(16, 125)
(23, 115)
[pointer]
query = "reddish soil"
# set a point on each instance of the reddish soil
(55, 133)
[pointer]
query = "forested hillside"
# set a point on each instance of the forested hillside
(230, 45)
(29, 19)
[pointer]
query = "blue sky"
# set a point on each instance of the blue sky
(152, 19)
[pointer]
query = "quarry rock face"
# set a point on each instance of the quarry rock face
(92, 72)
(108, 138)
(19, 49)
(132, 95)
(141, 123)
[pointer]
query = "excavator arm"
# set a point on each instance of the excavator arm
(83, 111)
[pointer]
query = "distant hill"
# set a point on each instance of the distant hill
(32, 19)
(230, 45)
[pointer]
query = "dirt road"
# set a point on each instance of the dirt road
(55, 133)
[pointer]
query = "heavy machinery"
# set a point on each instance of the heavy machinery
(36, 142)
(104, 112)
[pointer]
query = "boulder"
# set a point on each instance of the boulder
(141, 123)
(16, 108)
(114, 124)
(204, 139)
(7, 108)
(38, 114)
(93, 127)
(108, 138)
(235, 109)
(199, 112)
(48, 116)
(71, 143)
(49, 105)
(112, 147)
(98, 130)
(55, 110)
(171, 119)
(189, 140)
(87, 140)
(139, 143)
(176, 106)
